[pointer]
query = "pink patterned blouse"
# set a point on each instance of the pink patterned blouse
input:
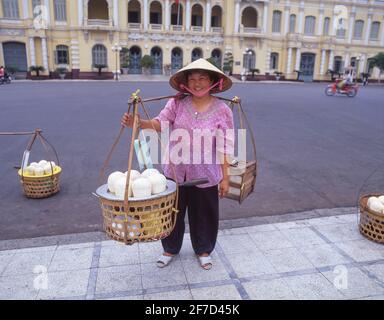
(181, 114)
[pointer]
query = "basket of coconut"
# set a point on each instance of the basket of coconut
(39, 179)
(137, 206)
(371, 223)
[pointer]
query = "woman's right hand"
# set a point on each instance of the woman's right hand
(127, 120)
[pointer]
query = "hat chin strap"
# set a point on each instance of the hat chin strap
(202, 93)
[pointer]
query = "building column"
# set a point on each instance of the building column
(80, 12)
(368, 29)
(363, 58)
(145, 9)
(116, 13)
(268, 61)
(382, 35)
(265, 18)
(75, 54)
(32, 51)
(25, 9)
(351, 24)
(330, 62)
(321, 19)
(346, 62)
(289, 62)
(298, 59)
(44, 51)
(286, 18)
(188, 14)
(301, 17)
(237, 17)
(322, 64)
(46, 3)
(167, 15)
(208, 16)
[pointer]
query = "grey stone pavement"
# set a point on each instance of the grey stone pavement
(312, 255)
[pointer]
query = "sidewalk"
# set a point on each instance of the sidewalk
(311, 255)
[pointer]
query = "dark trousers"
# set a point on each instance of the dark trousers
(202, 205)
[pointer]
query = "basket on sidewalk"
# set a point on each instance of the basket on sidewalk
(371, 223)
(42, 186)
(134, 220)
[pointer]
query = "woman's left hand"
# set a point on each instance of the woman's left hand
(224, 187)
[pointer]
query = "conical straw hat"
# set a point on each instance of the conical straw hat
(201, 64)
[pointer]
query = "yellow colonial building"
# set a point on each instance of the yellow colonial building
(270, 35)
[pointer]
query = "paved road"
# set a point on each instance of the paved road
(313, 151)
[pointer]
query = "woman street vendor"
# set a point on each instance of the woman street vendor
(196, 108)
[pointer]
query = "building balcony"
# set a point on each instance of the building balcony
(99, 24)
(156, 27)
(177, 28)
(134, 25)
(250, 30)
(197, 28)
(217, 30)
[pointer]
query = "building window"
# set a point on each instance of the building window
(309, 28)
(249, 60)
(374, 34)
(99, 55)
(337, 64)
(358, 32)
(353, 62)
(292, 23)
(62, 55)
(249, 18)
(327, 21)
(197, 16)
(134, 10)
(10, 9)
(274, 65)
(60, 10)
(276, 21)
(155, 13)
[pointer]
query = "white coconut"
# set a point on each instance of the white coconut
(141, 188)
(375, 205)
(119, 187)
(381, 199)
(148, 172)
(39, 170)
(48, 169)
(43, 162)
(34, 164)
(30, 170)
(134, 175)
(112, 178)
(158, 183)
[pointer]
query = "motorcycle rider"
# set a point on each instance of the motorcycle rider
(2, 73)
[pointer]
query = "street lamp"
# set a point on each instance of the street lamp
(116, 48)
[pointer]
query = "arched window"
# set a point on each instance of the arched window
(249, 59)
(274, 63)
(134, 10)
(98, 9)
(216, 17)
(10, 9)
(62, 55)
(358, 31)
(99, 55)
(276, 21)
(374, 34)
(327, 21)
(155, 13)
(60, 7)
(249, 18)
(197, 16)
(292, 23)
(197, 53)
(176, 59)
(309, 28)
(177, 14)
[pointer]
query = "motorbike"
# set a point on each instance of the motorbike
(349, 89)
(7, 79)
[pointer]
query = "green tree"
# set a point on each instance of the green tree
(378, 61)
(37, 69)
(228, 62)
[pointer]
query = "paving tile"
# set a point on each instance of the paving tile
(340, 232)
(261, 228)
(26, 262)
(313, 287)
(233, 231)
(149, 252)
(155, 277)
(273, 289)
(287, 260)
(349, 218)
(323, 255)
(324, 221)
(18, 287)
(5, 259)
(236, 243)
(377, 270)
(361, 250)
(169, 295)
(118, 255)
(354, 283)
(271, 240)
(120, 278)
(76, 246)
(65, 284)
(73, 259)
(302, 237)
(250, 264)
(291, 225)
(196, 274)
(31, 250)
(225, 292)
(377, 297)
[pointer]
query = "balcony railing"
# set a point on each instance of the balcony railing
(133, 25)
(98, 22)
(155, 26)
(217, 29)
(250, 30)
(197, 28)
(177, 28)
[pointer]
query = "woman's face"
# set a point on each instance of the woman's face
(199, 81)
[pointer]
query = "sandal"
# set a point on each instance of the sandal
(205, 262)
(164, 260)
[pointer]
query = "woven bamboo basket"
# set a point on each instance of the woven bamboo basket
(37, 187)
(371, 223)
(132, 221)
